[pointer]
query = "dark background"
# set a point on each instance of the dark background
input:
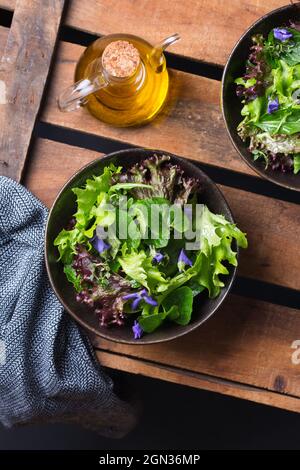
(177, 418)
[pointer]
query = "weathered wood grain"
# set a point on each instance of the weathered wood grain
(23, 72)
(271, 225)
(8, 4)
(197, 380)
(264, 219)
(51, 164)
(247, 342)
(209, 28)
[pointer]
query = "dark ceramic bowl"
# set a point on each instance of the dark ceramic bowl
(62, 210)
(231, 104)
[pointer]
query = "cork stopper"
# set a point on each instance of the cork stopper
(120, 59)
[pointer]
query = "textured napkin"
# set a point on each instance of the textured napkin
(48, 371)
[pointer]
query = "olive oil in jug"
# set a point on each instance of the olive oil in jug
(121, 79)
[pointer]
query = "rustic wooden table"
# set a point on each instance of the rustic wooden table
(245, 350)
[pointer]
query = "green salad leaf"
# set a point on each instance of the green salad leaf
(132, 265)
(281, 122)
(86, 197)
(139, 267)
(297, 163)
(127, 186)
(179, 305)
(291, 54)
(72, 277)
(66, 242)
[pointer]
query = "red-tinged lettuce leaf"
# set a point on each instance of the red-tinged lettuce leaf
(252, 84)
(101, 290)
(166, 180)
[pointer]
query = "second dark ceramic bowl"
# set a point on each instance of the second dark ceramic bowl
(231, 104)
(65, 206)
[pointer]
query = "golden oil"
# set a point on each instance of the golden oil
(129, 101)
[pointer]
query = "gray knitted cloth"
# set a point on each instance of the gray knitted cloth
(48, 371)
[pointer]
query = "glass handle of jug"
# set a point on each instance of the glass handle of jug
(77, 94)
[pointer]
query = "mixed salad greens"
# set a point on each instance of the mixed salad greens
(140, 247)
(270, 93)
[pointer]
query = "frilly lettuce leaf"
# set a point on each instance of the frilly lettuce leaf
(66, 242)
(103, 214)
(165, 180)
(72, 277)
(213, 228)
(139, 267)
(86, 197)
(132, 265)
(175, 296)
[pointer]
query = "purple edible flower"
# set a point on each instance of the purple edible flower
(183, 260)
(273, 105)
(149, 300)
(282, 34)
(136, 302)
(157, 258)
(100, 244)
(137, 330)
(137, 297)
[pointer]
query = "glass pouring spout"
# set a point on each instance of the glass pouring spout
(156, 57)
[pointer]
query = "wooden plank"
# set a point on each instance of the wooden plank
(183, 377)
(191, 126)
(51, 164)
(8, 4)
(209, 28)
(271, 225)
(246, 342)
(23, 72)
(263, 218)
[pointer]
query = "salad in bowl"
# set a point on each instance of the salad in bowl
(270, 94)
(140, 241)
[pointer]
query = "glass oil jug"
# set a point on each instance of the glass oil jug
(121, 79)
